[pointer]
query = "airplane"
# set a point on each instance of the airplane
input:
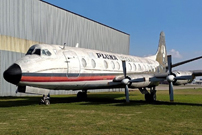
(58, 67)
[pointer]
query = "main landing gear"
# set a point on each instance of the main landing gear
(149, 97)
(82, 95)
(45, 100)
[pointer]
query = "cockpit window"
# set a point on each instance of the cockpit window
(46, 52)
(37, 52)
(29, 52)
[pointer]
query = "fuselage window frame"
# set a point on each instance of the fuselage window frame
(112, 65)
(117, 65)
(93, 63)
(135, 67)
(84, 63)
(130, 66)
(105, 64)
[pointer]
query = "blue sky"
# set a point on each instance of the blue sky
(181, 20)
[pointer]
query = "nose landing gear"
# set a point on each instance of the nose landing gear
(82, 95)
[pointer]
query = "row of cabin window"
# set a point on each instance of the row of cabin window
(116, 65)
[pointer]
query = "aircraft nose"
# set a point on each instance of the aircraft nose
(13, 74)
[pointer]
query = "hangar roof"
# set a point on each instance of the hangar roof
(83, 17)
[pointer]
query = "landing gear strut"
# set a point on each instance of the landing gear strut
(150, 97)
(82, 95)
(45, 100)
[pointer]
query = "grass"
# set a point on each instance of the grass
(104, 114)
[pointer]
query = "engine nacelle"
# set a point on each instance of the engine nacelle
(145, 83)
(183, 77)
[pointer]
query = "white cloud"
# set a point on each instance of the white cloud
(174, 53)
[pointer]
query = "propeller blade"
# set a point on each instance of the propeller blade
(169, 57)
(124, 68)
(125, 81)
(127, 94)
(188, 77)
(171, 91)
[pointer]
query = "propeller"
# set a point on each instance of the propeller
(170, 78)
(125, 81)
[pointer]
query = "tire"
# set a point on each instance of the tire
(47, 102)
(147, 97)
(81, 96)
(150, 97)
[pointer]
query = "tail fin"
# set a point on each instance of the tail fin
(161, 55)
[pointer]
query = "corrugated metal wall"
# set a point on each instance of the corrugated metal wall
(6, 59)
(27, 22)
(38, 21)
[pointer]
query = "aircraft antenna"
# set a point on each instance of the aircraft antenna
(77, 45)
(64, 46)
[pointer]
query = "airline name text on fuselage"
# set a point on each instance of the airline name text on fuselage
(106, 56)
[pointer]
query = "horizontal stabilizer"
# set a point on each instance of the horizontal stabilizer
(197, 72)
(186, 61)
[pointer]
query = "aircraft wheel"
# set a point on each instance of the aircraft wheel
(150, 97)
(47, 102)
(147, 97)
(153, 96)
(79, 95)
(82, 95)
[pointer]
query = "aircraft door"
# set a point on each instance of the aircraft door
(73, 64)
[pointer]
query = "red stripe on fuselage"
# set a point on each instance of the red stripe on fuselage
(64, 79)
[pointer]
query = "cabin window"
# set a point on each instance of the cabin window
(117, 65)
(130, 66)
(46, 52)
(142, 67)
(154, 69)
(145, 68)
(112, 65)
(105, 64)
(134, 67)
(84, 63)
(139, 67)
(148, 67)
(151, 68)
(93, 63)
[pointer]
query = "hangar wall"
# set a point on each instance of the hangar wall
(27, 22)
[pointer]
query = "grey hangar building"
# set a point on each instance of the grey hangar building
(24, 23)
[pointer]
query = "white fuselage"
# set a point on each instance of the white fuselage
(74, 68)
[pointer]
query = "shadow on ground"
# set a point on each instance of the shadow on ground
(93, 99)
